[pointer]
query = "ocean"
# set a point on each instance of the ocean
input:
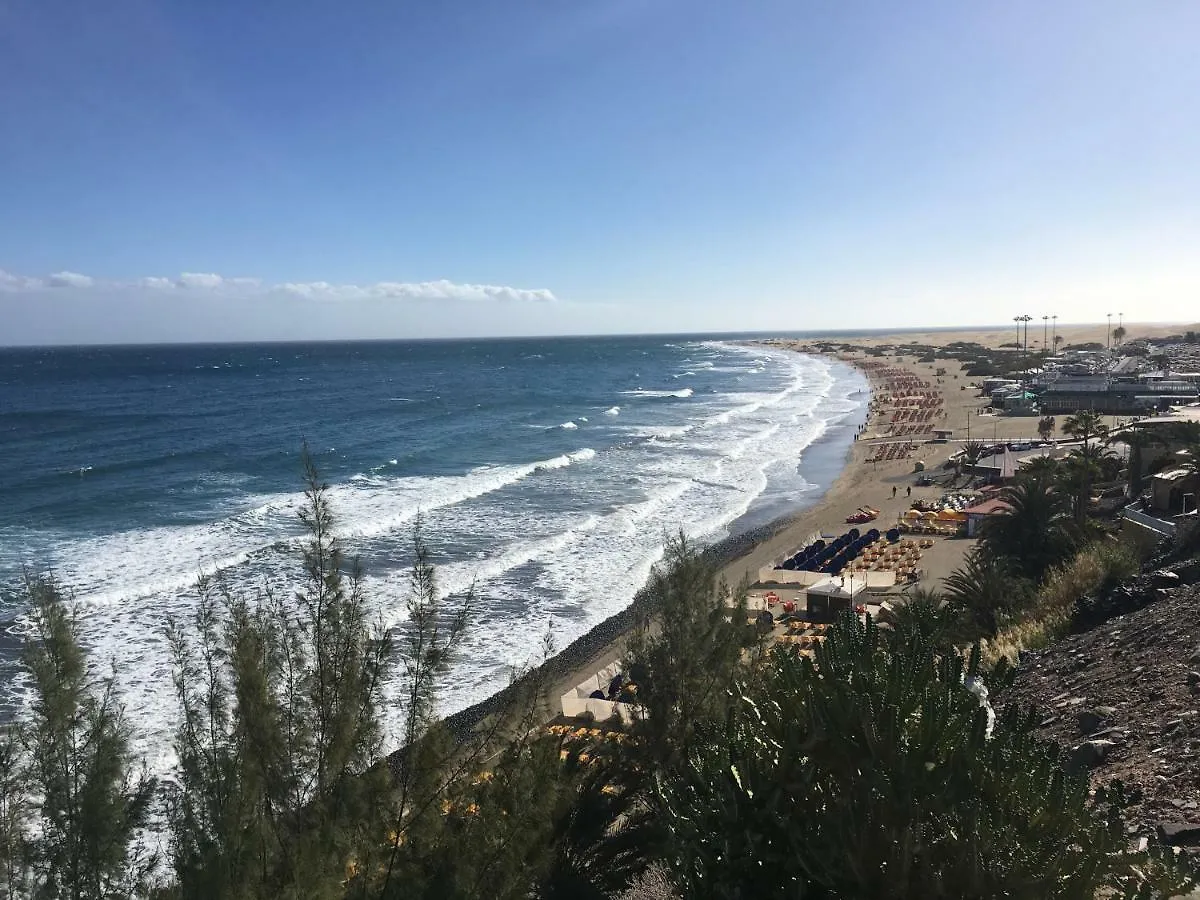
(546, 472)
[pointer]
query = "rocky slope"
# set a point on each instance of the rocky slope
(1123, 699)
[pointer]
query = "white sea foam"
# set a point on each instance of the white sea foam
(681, 394)
(569, 426)
(574, 561)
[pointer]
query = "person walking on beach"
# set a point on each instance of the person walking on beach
(909, 489)
(893, 492)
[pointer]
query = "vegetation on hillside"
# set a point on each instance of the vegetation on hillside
(876, 769)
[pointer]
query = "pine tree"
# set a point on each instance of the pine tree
(87, 800)
(279, 786)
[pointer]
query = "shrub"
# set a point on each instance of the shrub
(879, 770)
(1048, 615)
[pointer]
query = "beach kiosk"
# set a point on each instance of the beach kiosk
(828, 598)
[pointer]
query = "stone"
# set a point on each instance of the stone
(1090, 720)
(1089, 754)
(1188, 572)
(1179, 834)
(1193, 678)
(1165, 578)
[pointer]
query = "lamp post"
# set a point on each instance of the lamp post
(1054, 333)
(1024, 347)
(1045, 320)
(1108, 336)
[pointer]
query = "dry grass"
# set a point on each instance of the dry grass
(653, 884)
(1047, 618)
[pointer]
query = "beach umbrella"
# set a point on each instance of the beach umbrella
(893, 535)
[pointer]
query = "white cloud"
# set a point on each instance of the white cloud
(11, 282)
(420, 290)
(200, 280)
(441, 290)
(69, 279)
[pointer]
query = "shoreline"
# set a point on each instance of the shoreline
(859, 482)
(603, 643)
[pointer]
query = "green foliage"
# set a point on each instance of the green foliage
(280, 729)
(16, 811)
(687, 651)
(72, 804)
(1138, 440)
(1085, 425)
(1045, 427)
(875, 772)
(1034, 533)
(986, 590)
(871, 771)
(972, 452)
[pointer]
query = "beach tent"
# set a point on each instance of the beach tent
(828, 598)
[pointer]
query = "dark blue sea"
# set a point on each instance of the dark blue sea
(547, 472)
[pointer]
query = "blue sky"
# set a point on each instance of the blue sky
(174, 171)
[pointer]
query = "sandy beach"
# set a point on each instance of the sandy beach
(862, 482)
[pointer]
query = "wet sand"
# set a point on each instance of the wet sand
(860, 483)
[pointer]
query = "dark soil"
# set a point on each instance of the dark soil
(1132, 679)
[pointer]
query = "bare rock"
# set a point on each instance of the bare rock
(1179, 834)
(1089, 754)
(1165, 578)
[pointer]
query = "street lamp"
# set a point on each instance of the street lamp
(1108, 337)
(1024, 346)
(1054, 333)
(1045, 319)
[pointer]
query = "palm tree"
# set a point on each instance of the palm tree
(1045, 427)
(1086, 425)
(1137, 439)
(1119, 334)
(972, 452)
(1077, 472)
(1035, 532)
(986, 589)
(1044, 468)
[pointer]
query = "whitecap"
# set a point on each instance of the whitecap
(569, 426)
(680, 394)
(613, 411)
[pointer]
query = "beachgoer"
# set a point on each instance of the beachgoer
(893, 492)
(910, 490)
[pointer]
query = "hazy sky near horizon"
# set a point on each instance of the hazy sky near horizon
(228, 171)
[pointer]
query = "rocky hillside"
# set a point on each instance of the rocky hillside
(1123, 699)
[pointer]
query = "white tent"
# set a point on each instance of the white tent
(829, 597)
(842, 587)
